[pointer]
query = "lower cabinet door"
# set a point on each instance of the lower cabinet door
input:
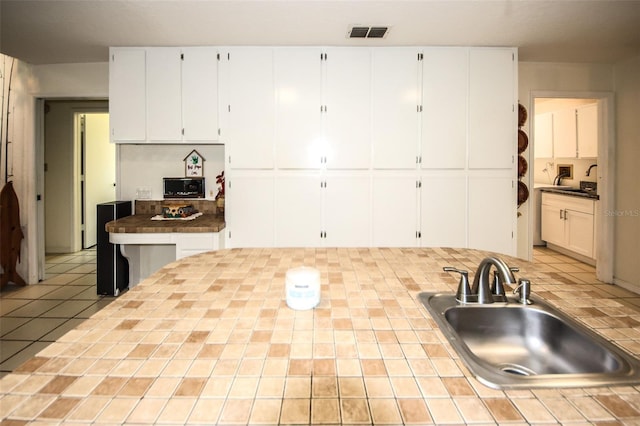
(579, 233)
(250, 211)
(552, 219)
(298, 211)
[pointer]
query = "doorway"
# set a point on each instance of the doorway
(548, 163)
(77, 158)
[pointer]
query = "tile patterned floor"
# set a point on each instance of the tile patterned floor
(34, 316)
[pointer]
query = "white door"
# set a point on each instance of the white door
(200, 93)
(99, 172)
(587, 118)
(347, 211)
(492, 108)
(298, 76)
(552, 223)
(164, 94)
(250, 214)
(564, 133)
(298, 211)
(543, 135)
(395, 108)
(394, 211)
(127, 94)
(348, 102)
(250, 130)
(445, 76)
(492, 214)
(579, 232)
(443, 212)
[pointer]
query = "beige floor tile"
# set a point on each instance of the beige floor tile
(295, 411)
(414, 411)
(89, 409)
(147, 410)
(354, 411)
(206, 411)
(385, 411)
(176, 410)
(117, 410)
(443, 411)
(378, 387)
(297, 387)
(325, 411)
(265, 411)
(270, 387)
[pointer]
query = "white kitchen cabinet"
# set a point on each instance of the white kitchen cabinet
(492, 214)
(251, 117)
(298, 79)
(395, 105)
(395, 211)
(347, 211)
(564, 133)
(445, 77)
(200, 94)
(443, 213)
(543, 135)
(492, 108)
(164, 95)
(127, 94)
(250, 210)
(587, 128)
(298, 211)
(196, 243)
(568, 222)
(347, 94)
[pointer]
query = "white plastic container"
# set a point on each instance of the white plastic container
(303, 288)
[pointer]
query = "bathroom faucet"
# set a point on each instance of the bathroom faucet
(503, 274)
(589, 169)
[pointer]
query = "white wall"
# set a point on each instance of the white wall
(547, 77)
(21, 132)
(89, 80)
(144, 166)
(627, 172)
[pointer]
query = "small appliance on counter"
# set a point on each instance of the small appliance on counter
(191, 187)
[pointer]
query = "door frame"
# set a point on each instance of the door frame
(39, 265)
(604, 228)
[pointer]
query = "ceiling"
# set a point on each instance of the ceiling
(61, 31)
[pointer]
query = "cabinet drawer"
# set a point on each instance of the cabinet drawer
(568, 202)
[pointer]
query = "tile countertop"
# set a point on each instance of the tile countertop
(209, 339)
(142, 223)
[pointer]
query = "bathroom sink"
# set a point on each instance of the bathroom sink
(529, 346)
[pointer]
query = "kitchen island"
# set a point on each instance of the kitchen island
(209, 339)
(149, 244)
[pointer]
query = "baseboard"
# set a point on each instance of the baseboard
(627, 285)
(572, 254)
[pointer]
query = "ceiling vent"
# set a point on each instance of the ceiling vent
(368, 32)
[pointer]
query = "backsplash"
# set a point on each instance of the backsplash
(155, 206)
(142, 167)
(580, 168)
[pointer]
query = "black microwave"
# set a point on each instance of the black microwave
(184, 187)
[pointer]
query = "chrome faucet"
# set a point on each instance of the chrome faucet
(589, 169)
(503, 274)
(482, 292)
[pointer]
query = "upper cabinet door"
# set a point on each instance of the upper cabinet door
(564, 133)
(543, 135)
(298, 77)
(250, 130)
(445, 77)
(164, 95)
(395, 108)
(127, 95)
(492, 108)
(348, 104)
(200, 93)
(587, 117)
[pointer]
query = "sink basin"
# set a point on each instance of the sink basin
(512, 345)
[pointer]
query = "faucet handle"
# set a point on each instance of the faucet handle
(464, 290)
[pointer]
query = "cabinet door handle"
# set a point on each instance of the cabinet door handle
(561, 214)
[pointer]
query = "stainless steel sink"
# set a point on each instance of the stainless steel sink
(529, 346)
